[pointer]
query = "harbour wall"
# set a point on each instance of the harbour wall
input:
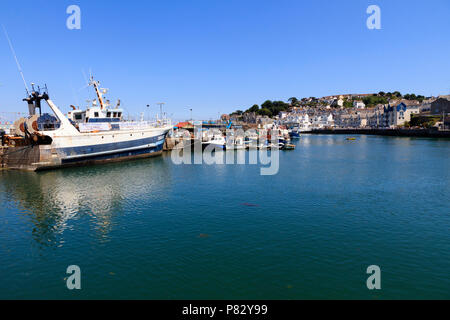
(21, 158)
(424, 133)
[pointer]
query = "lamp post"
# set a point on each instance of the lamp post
(443, 120)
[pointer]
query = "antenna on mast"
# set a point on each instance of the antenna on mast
(15, 57)
(85, 78)
(160, 108)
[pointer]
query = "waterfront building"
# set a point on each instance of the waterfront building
(440, 105)
(375, 117)
(425, 107)
(393, 115)
(398, 115)
(322, 121)
(298, 119)
(350, 121)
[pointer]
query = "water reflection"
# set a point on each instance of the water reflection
(54, 201)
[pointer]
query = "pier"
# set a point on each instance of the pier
(2, 150)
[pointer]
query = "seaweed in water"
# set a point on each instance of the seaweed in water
(250, 205)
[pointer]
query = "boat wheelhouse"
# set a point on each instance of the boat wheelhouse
(100, 111)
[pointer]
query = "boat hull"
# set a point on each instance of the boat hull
(87, 149)
(215, 146)
(235, 147)
(119, 157)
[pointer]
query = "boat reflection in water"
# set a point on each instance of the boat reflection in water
(55, 201)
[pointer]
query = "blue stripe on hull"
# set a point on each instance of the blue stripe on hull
(115, 156)
(86, 150)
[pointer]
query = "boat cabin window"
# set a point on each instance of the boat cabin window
(119, 114)
(115, 115)
(96, 114)
(108, 114)
(78, 116)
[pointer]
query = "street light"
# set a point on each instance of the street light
(443, 119)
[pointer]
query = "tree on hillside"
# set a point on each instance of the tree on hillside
(254, 108)
(293, 101)
(275, 107)
(348, 104)
(265, 112)
(412, 96)
(372, 101)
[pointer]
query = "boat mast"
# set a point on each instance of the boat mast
(15, 58)
(97, 91)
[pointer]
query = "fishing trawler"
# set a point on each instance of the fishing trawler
(98, 134)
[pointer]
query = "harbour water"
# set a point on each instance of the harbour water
(150, 229)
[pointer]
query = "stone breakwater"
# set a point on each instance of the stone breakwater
(424, 133)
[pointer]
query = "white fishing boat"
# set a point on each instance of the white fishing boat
(217, 141)
(235, 143)
(95, 135)
(239, 143)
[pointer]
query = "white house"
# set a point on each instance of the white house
(323, 121)
(358, 104)
(283, 114)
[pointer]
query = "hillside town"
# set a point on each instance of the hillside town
(352, 111)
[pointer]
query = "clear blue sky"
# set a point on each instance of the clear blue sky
(222, 55)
